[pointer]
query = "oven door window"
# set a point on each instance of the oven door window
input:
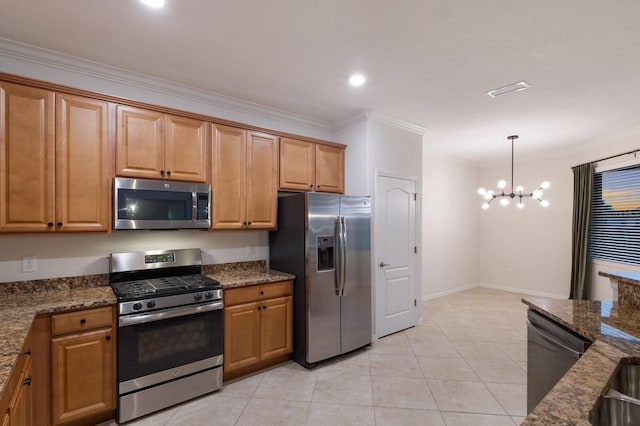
(138, 204)
(169, 343)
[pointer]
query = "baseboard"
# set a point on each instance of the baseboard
(495, 287)
(447, 292)
(524, 291)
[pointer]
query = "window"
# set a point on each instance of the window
(615, 216)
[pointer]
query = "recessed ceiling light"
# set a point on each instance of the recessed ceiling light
(357, 80)
(153, 3)
(515, 87)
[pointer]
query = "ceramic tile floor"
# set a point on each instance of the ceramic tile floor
(465, 366)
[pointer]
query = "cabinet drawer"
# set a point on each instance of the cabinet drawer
(88, 319)
(253, 293)
(279, 289)
(237, 296)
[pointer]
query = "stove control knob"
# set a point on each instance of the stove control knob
(197, 296)
(151, 304)
(208, 295)
(137, 306)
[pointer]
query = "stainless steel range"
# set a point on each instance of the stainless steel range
(170, 330)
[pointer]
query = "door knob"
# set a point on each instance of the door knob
(382, 264)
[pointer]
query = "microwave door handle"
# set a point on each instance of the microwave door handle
(194, 206)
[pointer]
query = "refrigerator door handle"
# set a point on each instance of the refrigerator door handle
(343, 255)
(337, 268)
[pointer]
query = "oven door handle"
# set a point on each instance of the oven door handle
(169, 313)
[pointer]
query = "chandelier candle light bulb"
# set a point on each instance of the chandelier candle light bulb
(518, 193)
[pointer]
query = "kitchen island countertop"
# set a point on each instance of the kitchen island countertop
(615, 331)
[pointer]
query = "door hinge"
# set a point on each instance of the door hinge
(415, 302)
(415, 249)
(415, 196)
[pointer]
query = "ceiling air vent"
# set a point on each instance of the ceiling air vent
(516, 87)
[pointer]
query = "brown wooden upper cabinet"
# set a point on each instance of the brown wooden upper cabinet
(56, 161)
(244, 176)
(154, 145)
(307, 166)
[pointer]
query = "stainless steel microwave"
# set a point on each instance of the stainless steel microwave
(161, 204)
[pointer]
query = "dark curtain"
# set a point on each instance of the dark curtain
(582, 190)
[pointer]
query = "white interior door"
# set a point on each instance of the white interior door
(396, 254)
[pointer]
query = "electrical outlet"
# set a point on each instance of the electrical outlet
(29, 263)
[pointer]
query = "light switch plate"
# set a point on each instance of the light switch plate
(29, 263)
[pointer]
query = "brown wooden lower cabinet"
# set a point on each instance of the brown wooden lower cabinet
(82, 366)
(65, 373)
(20, 408)
(258, 327)
(17, 399)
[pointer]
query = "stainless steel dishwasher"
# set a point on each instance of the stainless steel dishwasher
(551, 351)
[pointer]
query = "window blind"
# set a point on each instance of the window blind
(615, 216)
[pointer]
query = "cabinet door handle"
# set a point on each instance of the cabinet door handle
(264, 307)
(311, 186)
(59, 223)
(261, 293)
(27, 381)
(83, 321)
(248, 223)
(168, 172)
(258, 307)
(107, 338)
(50, 224)
(161, 172)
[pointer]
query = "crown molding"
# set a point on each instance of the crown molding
(53, 59)
(396, 122)
(349, 122)
(369, 115)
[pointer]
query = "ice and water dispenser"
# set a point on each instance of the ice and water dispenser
(325, 253)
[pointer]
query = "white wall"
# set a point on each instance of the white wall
(393, 150)
(356, 156)
(65, 255)
(526, 250)
(450, 224)
(529, 251)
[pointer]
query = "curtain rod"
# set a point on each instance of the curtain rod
(613, 156)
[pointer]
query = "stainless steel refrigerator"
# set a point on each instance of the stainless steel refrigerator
(324, 239)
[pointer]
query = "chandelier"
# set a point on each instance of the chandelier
(518, 192)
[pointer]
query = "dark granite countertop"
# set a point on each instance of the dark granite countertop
(615, 331)
(17, 311)
(231, 279)
(244, 273)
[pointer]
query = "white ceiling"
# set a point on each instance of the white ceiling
(428, 62)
